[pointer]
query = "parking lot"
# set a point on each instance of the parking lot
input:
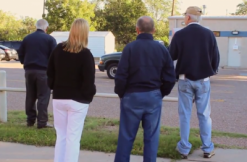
(228, 99)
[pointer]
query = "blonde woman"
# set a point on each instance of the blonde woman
(71, 74)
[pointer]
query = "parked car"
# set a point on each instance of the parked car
(109, 62)
(2, 54)
(8, 54)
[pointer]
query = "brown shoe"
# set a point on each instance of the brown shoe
(45, 126)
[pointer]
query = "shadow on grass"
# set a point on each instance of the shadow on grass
(99, 134)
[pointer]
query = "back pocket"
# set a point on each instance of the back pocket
(183, 85)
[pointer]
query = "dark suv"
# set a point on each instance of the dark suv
(109, 62)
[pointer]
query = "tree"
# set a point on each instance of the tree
(9, 27)
(160, 10)
(120, 16)
(241, 8)
(61, 14)
(28, 26)
(13, 29)
(99, 14)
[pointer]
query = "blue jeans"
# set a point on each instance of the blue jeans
(200, 90)
(137, 107)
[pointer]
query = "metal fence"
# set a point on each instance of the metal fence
(4, 89)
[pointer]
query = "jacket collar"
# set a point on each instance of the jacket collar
(39, 30)
(145, 36)
(193, 23)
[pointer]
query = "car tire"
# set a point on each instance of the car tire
(112, 70)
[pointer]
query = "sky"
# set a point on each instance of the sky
(213, 7)
(34, 8)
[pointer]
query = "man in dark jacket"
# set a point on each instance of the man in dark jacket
(196, 51)
(145, 75)
(34, 54)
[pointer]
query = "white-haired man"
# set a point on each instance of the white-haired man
(196, 51)
(34, 54)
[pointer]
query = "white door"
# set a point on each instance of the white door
(234, 51)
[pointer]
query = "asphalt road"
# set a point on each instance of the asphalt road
(228, 99)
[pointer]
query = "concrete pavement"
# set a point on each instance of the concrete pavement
(11, 152)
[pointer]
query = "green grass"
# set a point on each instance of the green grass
(99, 134)
(231, 135)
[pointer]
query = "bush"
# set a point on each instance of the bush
(120, 47)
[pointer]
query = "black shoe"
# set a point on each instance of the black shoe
(208, 155)
(183, 156)
(45, 126)
(30, 124)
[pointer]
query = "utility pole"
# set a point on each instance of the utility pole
(173, 1)
(44, 8)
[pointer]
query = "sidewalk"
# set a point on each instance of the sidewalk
(10, 152)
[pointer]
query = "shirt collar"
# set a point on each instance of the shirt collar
(145, 36)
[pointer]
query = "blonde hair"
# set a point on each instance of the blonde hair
(78, 36)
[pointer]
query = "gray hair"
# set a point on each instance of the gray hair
(145, 24)
(42, 24)
(195, 18)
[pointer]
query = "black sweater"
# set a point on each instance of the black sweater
(196, 51)
(72, 75)
(35, 50)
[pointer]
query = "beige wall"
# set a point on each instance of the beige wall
(244, 52)
(225, 25)
(215, 24)
(221, 25)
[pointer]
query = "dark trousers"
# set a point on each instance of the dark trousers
(138, 107)
(37, 89)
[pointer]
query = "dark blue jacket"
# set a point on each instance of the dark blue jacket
(35, 50)
(196, 50)
(145, 65)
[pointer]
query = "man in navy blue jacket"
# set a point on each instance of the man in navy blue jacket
(196, 51)
(145, 75)
(34, 54)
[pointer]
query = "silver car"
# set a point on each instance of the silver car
(8, 54)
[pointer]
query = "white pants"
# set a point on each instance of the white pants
(69, 117)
